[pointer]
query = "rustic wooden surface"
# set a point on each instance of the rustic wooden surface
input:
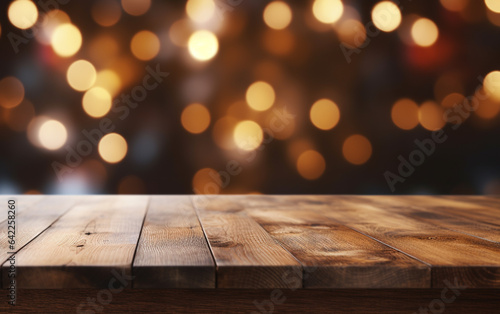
(255, 241)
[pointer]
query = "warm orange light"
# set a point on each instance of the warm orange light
(145, 45)
(106, 12)
(311, 165)
(203, 45)
(386, 16)
(66, 40)
(327, 11)
(52, 134)
(357, 149)
(493, 5)
(277, 15)
(81, 75)
(454, 5)
(260, 96)
(207, 181)
(404, 114)
(195, 118)
(248, 135)
(424, 32)
(430, 116)
(22, 14)
(112, 148)
(324, 114)
(11, 92)
(200, 11)
(136, 7)
(96, 102)
(492, 84)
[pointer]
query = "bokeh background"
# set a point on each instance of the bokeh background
(283, 97)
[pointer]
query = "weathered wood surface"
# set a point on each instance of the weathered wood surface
(255, 241)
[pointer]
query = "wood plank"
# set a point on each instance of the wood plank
(30, 223)
(209, 301)
(91, 246)
(482, 200)
(335, 256)
(23, 203)
(245, 254)
(172, 250)
(471, 261)
(432, 213)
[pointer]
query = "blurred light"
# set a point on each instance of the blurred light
(488, 108)
(19, 117)
(131, 185)
(260, 96)
(492, 84)
(195, 118)
(351, 32)
(454, 5)
(112, 148)
(311, 165)
(96, 102)
(203, 45)
(279, 42)
(104, 49)
(357, 149)
(430, 116)
(493, 5)
(33, 130)
(23, 13)
(404, 114)
(81, 75)
(109, 80)
(106, 12)
(222, 132)
(136, 7)
(145, 45)
(66, 40)
(11, 92)
(297, 147)
(327, 11)
(248, 135)
(493, 17)
(386, 16)
(324, 114)
(277, 15)
(52, 134)
(424, 32)
(49, 23)
(179, 32)
(200, 11)
(452, 99)
(207, 181)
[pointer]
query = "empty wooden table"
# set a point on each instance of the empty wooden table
(251, 253)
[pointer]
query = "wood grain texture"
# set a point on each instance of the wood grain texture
(472, 261)
(260, 301)
(245, 254)
(86, 247)
(172, 251)
(23, 203)
(31, 223)
(335, 256)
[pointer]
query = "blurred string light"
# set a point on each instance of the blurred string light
(248, 135)
(311, 165)
(49, 23)
(493, 5)
(97, 102)
(357, 149)
(222, 132)
(404, 114)
(452, 100)
(136, 7)
(277, 15)
(52, 134)
(180, 31)
(430, 116)
(19, 117)
(386, 16)
(81, 75)
(11, 92)
(106, 12)
(206, 181)
(145, 45)
(279, 42)
(454, 5)
(424, 32)
(200, 11)
(109, 80)
(195, 118)
(328, 11)
(33, 130)
(260, 96)
(351, 32)
(324, 114)
(491, 84)
(203, 45)
(112, 148)
(22, 14)
(488, 108)
(66, 40)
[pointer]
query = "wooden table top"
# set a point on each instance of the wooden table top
(253, 241)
